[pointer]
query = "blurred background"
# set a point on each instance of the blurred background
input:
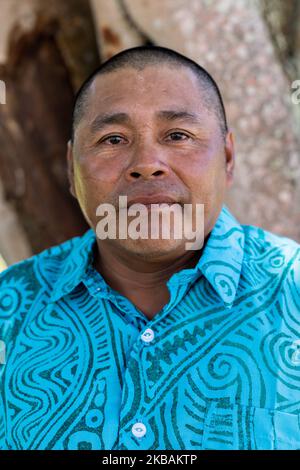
(47, 49)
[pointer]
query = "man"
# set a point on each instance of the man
(142, 344)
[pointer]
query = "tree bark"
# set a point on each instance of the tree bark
(42, 66)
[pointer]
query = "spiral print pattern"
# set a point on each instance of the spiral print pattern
(221, 372)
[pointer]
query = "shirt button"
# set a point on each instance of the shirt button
(148, 335)
(138, 429)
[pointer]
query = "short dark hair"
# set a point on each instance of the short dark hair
(141, 57)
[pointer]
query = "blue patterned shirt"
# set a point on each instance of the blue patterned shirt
(217, 368)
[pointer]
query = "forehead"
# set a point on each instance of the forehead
(151, 87)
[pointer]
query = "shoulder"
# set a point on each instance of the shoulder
(34, 268)
(22, 282)
(272, 253)
(262, 241)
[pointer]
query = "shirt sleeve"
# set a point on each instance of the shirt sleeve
(12, 295)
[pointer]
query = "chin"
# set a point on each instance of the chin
(152, 248)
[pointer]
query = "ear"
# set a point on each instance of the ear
(70, 164)
(230, 157)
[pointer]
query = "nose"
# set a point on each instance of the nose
(147, 163)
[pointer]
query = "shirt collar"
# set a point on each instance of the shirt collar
(75, 265)
(220, 262)
(222, 257)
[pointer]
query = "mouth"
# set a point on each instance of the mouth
(154, 199)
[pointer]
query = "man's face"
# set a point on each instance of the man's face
(150, 151)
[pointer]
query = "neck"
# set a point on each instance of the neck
(124, 270)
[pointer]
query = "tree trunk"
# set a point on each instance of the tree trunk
(41, 65)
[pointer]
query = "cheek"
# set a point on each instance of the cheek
(93, 169)
(94, 182)
(205, 176)
(199, 169)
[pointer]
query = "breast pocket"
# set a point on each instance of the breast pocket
(240, 427)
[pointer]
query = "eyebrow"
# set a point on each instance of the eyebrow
(103, 120)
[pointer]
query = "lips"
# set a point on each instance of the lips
(153, 199)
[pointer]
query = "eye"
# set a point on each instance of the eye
(113, 139)
(178, 136)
